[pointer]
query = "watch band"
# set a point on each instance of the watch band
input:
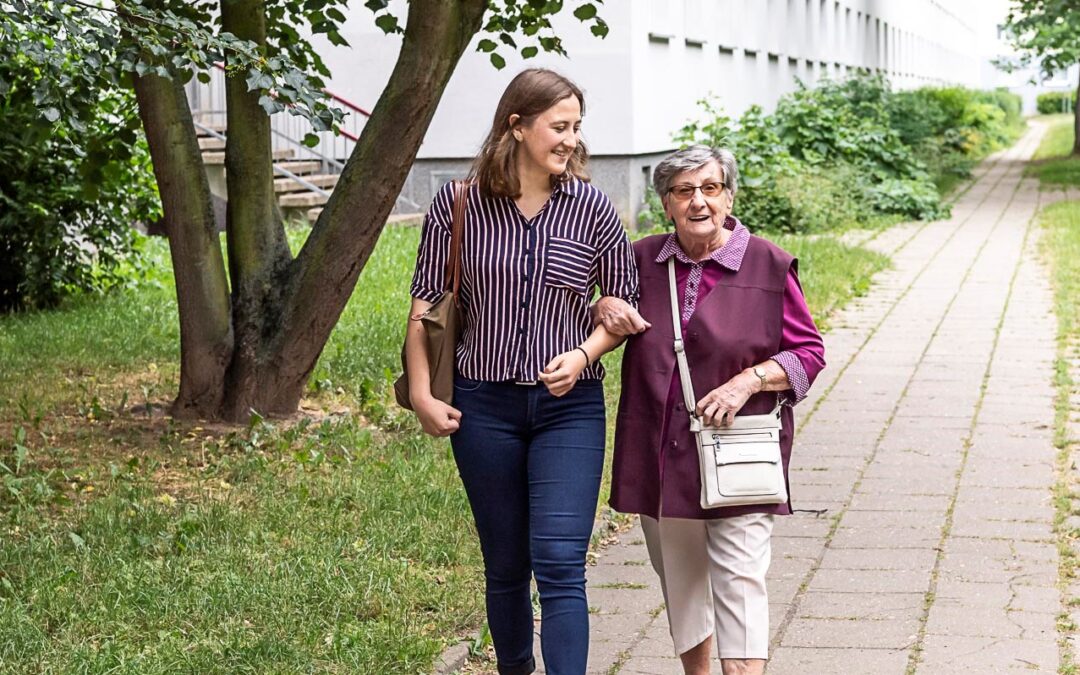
(762, 375)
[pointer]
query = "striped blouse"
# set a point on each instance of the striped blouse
(526, 285)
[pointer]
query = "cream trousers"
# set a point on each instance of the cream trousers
(712, 573)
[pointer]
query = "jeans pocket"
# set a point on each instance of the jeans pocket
(466, 385)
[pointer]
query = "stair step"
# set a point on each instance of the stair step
(220, 128)
(216, 157)
(410, 219)
(404, 219)
(295, 200)
(324, 180)
(300, 167)
(211, 143)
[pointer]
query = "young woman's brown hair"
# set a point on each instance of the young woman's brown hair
(528, 95)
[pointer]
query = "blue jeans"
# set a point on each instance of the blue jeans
(531, 466)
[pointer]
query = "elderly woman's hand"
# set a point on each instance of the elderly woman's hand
(618, 316)
(719, 406)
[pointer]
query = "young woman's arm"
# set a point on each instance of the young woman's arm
(436, 417)
(562, 372)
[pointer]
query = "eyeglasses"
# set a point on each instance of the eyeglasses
(684, 193)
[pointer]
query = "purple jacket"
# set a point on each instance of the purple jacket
(737, 325)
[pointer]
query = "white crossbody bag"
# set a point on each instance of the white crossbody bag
(741, 463)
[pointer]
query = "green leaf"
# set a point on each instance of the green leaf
(311, 140)
(204, 78)
(585, 12)
(258, 80)
(269, 105)
(599, 29)
(51, 114)
(486, 45)
(335, 39)
(388, 23)
(498, 61)
(529, 52)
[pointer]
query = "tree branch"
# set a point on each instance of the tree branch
(202, 290)
(325, 272)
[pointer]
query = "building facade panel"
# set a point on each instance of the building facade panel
(643, 81)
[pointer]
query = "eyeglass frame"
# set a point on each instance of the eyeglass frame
(690, 195)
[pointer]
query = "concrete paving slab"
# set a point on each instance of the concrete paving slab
(802, 660)
(852, 633)
(953, 654)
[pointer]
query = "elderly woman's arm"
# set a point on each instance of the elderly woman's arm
(793, 369)
(618, 316)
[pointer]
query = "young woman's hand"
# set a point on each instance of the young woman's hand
(562, 372)
(437, 418)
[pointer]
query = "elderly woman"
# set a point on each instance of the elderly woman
(748, 337)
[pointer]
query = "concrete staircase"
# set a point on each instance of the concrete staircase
(298, 201)
(304, 177)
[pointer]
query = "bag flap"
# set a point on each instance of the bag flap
(766, 422)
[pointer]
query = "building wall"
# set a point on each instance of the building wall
(661, 56)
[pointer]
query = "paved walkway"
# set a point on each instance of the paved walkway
(929, 439)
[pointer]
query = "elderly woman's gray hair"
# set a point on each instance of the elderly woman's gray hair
(692, 159)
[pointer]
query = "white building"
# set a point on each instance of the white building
(661, 56)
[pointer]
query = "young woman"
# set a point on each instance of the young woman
(527, 420)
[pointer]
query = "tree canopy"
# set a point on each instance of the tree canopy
(251, 333)
(1047, 32)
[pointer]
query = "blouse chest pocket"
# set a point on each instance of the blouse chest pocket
(569, 264)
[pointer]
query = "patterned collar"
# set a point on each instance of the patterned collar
(730, 255)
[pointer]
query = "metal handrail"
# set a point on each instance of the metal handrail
(329, 150)
(280, 170)
(336, 163)
(335, 97)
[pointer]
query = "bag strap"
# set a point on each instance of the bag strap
(680, 354)
(457, 230)
(680, 349)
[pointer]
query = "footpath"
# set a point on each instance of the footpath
(929, 439)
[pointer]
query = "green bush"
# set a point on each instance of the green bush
(72, 182)
(1052, 102)
(848, 152)
(827, 158)
(847, 122)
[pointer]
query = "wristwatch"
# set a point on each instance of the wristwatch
(760, 372)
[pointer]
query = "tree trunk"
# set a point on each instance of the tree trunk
(259, 255)
(1076, 119)
(322, 278)
(202, 290)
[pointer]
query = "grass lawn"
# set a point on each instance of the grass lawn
(1052, 163)
(337, 542)
(1061, 248)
